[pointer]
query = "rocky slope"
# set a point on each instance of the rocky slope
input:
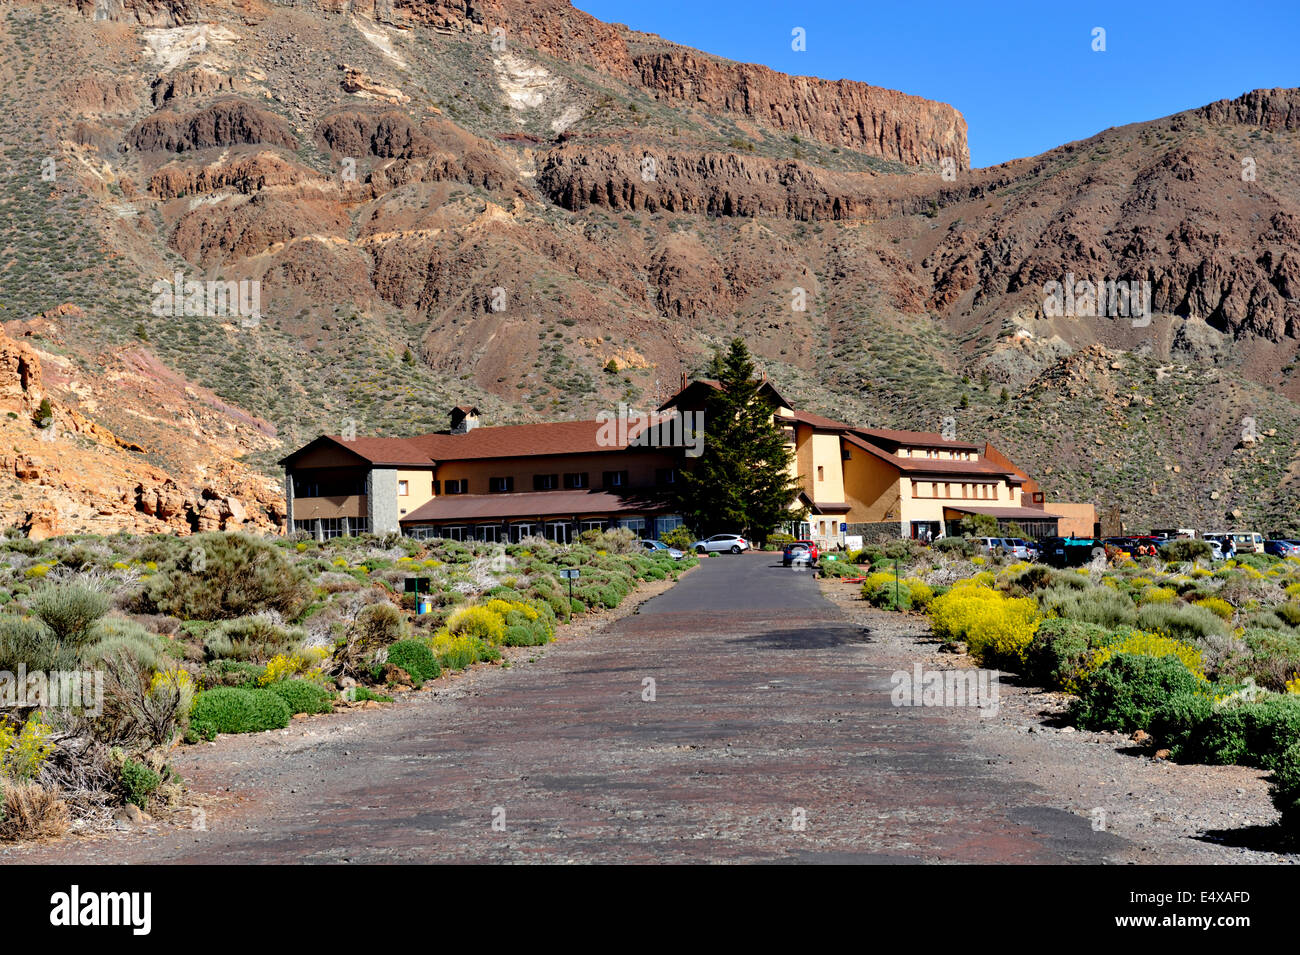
(492, 201)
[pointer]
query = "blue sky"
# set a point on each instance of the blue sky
(1024, 75)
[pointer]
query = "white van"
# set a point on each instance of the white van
(1243, 542)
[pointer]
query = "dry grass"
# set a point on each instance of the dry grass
(32, 812)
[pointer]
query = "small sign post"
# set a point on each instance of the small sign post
(570, 574)
(418, 586)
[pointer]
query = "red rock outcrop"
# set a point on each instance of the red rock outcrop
(228, 122)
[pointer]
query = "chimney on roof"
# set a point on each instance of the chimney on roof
(464, 418)
(683, 381)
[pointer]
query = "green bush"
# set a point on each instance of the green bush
(27, 641)
(1185, 549)
(1285, 789)
(363, 693)
(232, 673)
(1131, 692)
(302, 696)
(1248, 733)
(125, 640)
(679, 537)
(837, 568)
(886, 597)
(1181, 621)
(1060, 650)
(954, 545)
(1288, 613)
(223, 576)
(415, 657)
(229, 709)
(138, 782)
(70, 611)
(1099, 605)
(256, 638)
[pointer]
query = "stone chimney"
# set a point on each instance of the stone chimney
(464, 418)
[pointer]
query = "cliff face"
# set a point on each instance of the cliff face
(875, 121)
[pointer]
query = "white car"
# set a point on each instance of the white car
(659, 547)
(721, 543)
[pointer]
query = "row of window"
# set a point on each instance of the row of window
(326, 528)
(572, 481)
(562, 532)
(943, 489)
(309, 486)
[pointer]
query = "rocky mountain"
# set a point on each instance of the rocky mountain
(385, 208)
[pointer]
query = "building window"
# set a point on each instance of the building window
(519, 531)
(501, 485)
(331, 527)
(458, 486)
(558, 531)
(665, 475)
(634, 524)
(403, 488)
(593, 525)
(821, 473)
(665, 524)
(545, 482)
(437, 488)
(615, 479)
(489, 533)
(576, 482)
(456, 532)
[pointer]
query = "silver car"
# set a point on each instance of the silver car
(721, 543)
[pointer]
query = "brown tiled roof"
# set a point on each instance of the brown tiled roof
(939, 466)
(925, 439)
(379, 452)
(516, 440)
(480, 507)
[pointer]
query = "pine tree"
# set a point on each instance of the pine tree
(742, 480)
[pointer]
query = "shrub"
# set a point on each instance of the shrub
(889, 597)
(234, 710)
(24, 751)
(1217, 606)
(922, 593)
(478, 622)
(29, 811)
(70, 611)
(1285, 790)
(127, 641)
(1180, 621)
(138, 782)
(837, 568)
(457, 653)
(1131, 692)
(954, 545)
(1184, 549)
(1099, 605)
(1029, 580)
(415, 657)
(679, 537)
(1157, 595)
(256, 638)
(997, 629)
(223, 576)
(1246, 733)
(1137, 642)
(1289, 612)
(1060, 651)
(27, 641)
(302, 696)
(363, 693)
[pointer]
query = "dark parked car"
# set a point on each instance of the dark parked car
(1070, 551)
(1282, 548)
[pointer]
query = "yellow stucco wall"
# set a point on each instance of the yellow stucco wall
(419, 486)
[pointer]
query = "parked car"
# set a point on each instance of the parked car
(1070, 551)
(807, 551)
(1015, 547)
(1243, 542)
(1220, 546)
(987, 545)
(1282, 548)
(661, 548)
(721, 543)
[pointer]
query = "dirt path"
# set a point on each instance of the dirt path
(771, 706)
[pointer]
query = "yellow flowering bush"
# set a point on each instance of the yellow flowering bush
(977, 560)
(286, 666)
(1293, 684)
(38, 570)
(1217, 606)
(1141, 643)
(479, 621)
(24, 752)
(995, 627)
(922, 593)
(1157, 595)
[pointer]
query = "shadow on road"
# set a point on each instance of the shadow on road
(809, 638)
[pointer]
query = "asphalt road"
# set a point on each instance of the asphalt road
(768, 709)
